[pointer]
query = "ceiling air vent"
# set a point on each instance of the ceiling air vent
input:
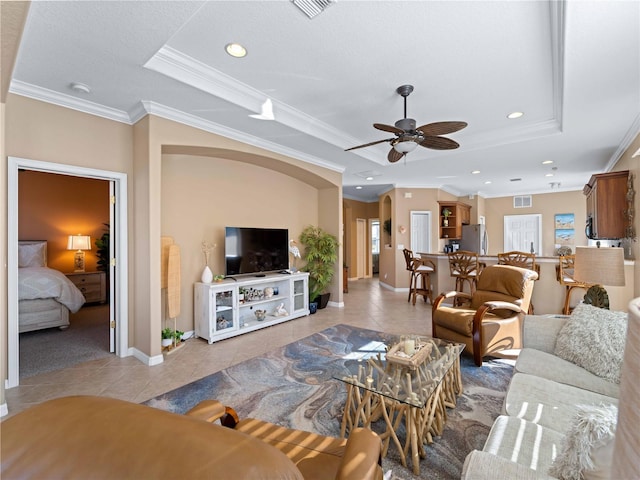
(311, 8)
(522, 201)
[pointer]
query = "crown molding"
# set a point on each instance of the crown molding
(159, 110)
(68, 101)
(626, 142)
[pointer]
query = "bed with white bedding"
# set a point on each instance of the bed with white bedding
(45, 296)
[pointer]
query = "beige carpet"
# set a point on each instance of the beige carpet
(87, 338)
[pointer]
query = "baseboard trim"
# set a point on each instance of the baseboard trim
(146, 359)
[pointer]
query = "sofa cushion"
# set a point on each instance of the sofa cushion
(594, 339)
(587, 450)
(546, 365)
(523, 442)
(548, 403)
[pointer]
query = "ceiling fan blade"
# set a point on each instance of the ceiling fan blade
(369, 144)
(441, 128)
(388, 128)
(439, 143)
(394, 156)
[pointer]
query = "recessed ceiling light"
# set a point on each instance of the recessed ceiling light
(235, 50)
(369, 178)
(475, 172)
(79, 87)
(547, 162)
(487, 182)
(513, 115)
(549, 175)
(358, 187)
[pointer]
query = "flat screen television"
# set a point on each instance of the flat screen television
(255, 250)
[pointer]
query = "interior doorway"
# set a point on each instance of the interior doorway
(118, 300)
(523, 233)
(420, 231)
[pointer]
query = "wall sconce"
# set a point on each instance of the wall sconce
(79, 243)
(599, 266)
(402, 229)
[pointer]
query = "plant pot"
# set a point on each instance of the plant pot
(323, 300)
(166, 342)
(313, 307)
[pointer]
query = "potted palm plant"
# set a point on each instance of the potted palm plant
(320, 255)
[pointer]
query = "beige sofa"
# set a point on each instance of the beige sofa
(545, 398)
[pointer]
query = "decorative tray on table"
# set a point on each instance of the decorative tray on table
(399, 353)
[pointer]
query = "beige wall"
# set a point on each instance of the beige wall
(202, 195)
(39, 131)
(547, 205)
(52, 207)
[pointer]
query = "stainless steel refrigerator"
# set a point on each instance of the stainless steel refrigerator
(474, 239)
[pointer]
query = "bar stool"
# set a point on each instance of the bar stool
(564, 273)
(464, 267)
(522, 260)
(420, 279)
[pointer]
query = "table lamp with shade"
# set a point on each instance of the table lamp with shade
(599, 266)
(80, 243)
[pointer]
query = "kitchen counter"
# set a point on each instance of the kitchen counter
(548, 293)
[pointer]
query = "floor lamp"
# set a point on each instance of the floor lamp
(599, 266)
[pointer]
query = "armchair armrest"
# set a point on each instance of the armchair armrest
(498, 305)
(212, 410)
(362, 458)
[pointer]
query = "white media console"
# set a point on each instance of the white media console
(228, 308)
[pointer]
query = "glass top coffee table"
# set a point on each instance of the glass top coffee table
(406, 380)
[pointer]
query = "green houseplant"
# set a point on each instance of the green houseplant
(320, 255)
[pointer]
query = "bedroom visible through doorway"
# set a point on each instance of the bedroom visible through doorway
(117, 301)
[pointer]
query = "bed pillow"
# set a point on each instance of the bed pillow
(594, 339)
(587, 450)
(32, 254)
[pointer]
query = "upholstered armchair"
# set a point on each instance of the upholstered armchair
(489, 320)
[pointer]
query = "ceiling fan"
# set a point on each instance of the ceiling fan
(408, 137)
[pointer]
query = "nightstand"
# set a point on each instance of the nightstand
(93, 285)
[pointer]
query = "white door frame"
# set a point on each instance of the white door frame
(119, 274)
(361, 248)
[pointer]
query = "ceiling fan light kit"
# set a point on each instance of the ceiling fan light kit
(408, 137)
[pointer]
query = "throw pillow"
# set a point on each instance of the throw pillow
(594, 339)
(32, 254)
(587, 451)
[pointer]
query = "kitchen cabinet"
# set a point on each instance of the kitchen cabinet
(607, 205)
(452, 215)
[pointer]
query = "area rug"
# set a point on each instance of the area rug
(293, 386)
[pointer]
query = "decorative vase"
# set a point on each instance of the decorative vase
(207, 275)
(445, 222)
(313, 307)
(166, 342)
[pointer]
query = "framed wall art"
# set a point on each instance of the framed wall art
(565, 233)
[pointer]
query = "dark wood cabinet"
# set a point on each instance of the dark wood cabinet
(607, 205)
(452, 215)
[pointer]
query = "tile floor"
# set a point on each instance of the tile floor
(367, 305)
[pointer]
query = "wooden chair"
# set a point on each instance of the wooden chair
(522, 260)
(491, 320)
(420, 279)
(564, 272)
(464, 266)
